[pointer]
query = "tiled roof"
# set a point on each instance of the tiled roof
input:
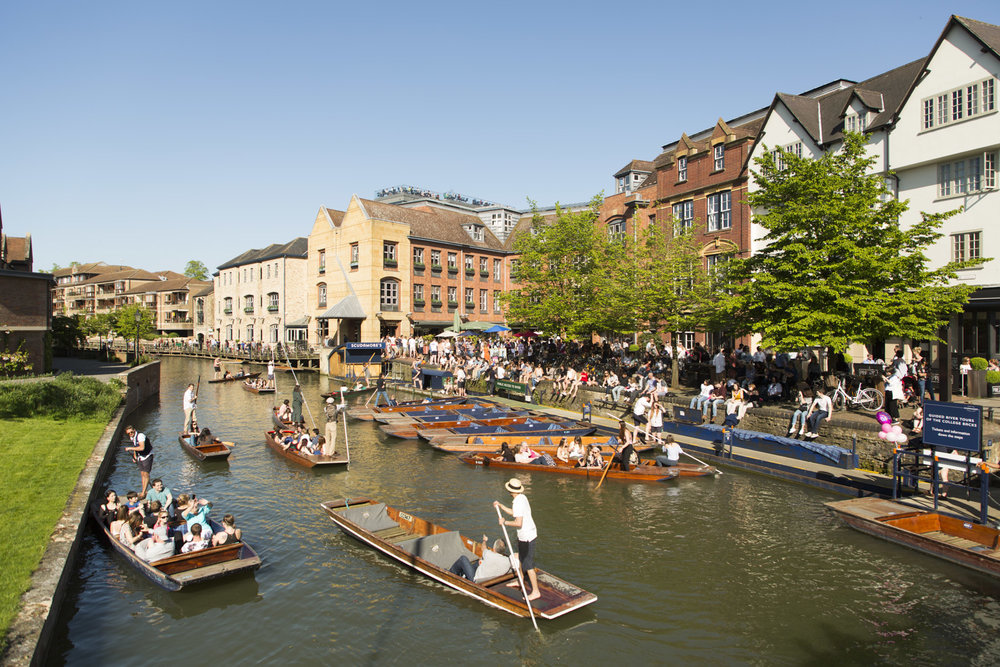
(92, 267)
(742, 130)
(434, 224)
(128, 274)
(987, 33)
(205, 291)
(296, 248)
(17, 249)
(173, 285)
(635, 165)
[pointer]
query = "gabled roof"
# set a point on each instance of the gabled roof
(434, 224)
(336, 217)
(347, 308)
(295, 248)
(92, 267)
(743, 128)
(204, 291)
(635, 165)
(986, 33)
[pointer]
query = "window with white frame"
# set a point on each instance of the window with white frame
(436, 294)
(470, 260)
(483, 300)
(496, 301)
(436, 258)
(418, 293)
(321, 295)
(273, 333)
(354, 255)
(616, 229)
(966, 246)
(388, 253)
(452, 260)
(418, 257)
(497, 270)
(719, 157)
(484, 265)
(686, 338)
(469, 294)
(962, 103)
(389, 294)
(684, 214)
(273, 301)
(682, 168)
(719, 211)
(452, 295)
(717, 265)
(322, 266)
(229, 332)
(972, 174)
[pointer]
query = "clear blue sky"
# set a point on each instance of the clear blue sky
(154, 133)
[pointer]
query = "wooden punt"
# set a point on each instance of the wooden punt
(177, 572)
(553, 430)
(539, 443)
(639, 473)
(307, 460)
(412, 431)
(216, 451)
(278, 424)
(351, 393)
(432, 549)
(257, 390)
(446, 414)
(960, 541)
(235, 378)
(368, 414)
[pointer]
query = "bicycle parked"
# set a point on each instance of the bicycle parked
(866, 398)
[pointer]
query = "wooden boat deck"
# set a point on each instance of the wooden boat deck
(957, 540)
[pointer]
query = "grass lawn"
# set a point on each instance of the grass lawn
(40, 460)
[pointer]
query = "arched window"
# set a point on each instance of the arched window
(389, 293)
(321, 300)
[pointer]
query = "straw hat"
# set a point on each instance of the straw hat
(514, 485)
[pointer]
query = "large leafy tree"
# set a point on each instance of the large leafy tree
(656, 281)
(836, 266)
(196, 269)
(558, 272)
(125, 322)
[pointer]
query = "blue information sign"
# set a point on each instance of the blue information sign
(359, 353)
(953, 425)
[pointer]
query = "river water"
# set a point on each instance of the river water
(735, 569)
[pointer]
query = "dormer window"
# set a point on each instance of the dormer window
(476, 232)
(856, 122)
(682, 168)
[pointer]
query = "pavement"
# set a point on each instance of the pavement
(102, 370)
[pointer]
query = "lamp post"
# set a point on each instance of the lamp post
(138, 320)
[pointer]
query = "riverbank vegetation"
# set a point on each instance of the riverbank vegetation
(48, 431)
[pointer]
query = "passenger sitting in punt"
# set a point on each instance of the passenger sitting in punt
(230, 533)
(206, 437)
(576, 449)
(627, 458)
(157, 546)
(197, 542)
(109, 509)
(161, 493)
(562, 451)
(132, 501)
(594, 458)
(506, 454)
(493, 563)
(132, 531)
(284, 412)
(194, 510)
(119, 519)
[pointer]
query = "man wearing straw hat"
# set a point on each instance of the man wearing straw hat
(526, 532)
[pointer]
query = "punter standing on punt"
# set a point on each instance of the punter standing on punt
(526, 532)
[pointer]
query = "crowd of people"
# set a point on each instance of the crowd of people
(158, 525)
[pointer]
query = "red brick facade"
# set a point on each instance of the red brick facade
(25, 314)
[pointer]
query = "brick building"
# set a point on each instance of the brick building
(378, 269)
(170, 303)
(25, 305)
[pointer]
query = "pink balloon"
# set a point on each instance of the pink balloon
(883, 434)
(897, 429)
(886, 428)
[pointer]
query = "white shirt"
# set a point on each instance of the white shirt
(189, 399)
(641, 405)
(527, 531)
(823, 403)
(720, 362)
(707, 389)
(673, 451)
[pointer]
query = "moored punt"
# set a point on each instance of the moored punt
(176, 572)
(248, 386)
(244, 376)
(349, 393)
(432, 549)
(411, 431)
(368, 414)
(960, 541)
(541, 443)
(215, 451)
(445, 414)
(307, 460)
(551, 429)
(639, 473)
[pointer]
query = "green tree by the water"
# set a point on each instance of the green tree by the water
(125, 322)
(836, 267)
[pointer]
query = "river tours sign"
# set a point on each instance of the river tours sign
(953, 425)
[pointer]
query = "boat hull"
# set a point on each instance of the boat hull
(640, 473)
(305, 460)
(218, 451)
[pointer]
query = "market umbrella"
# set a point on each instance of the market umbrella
(526, 334)
(496, 328)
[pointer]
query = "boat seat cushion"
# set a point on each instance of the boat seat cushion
(442, 549)
(369, 517)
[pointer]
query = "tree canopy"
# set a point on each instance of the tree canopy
(836, 267)
(125, 324)
(196, 269)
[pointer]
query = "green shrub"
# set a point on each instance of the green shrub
(64, 397)
(979, 364)
(992, 377)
